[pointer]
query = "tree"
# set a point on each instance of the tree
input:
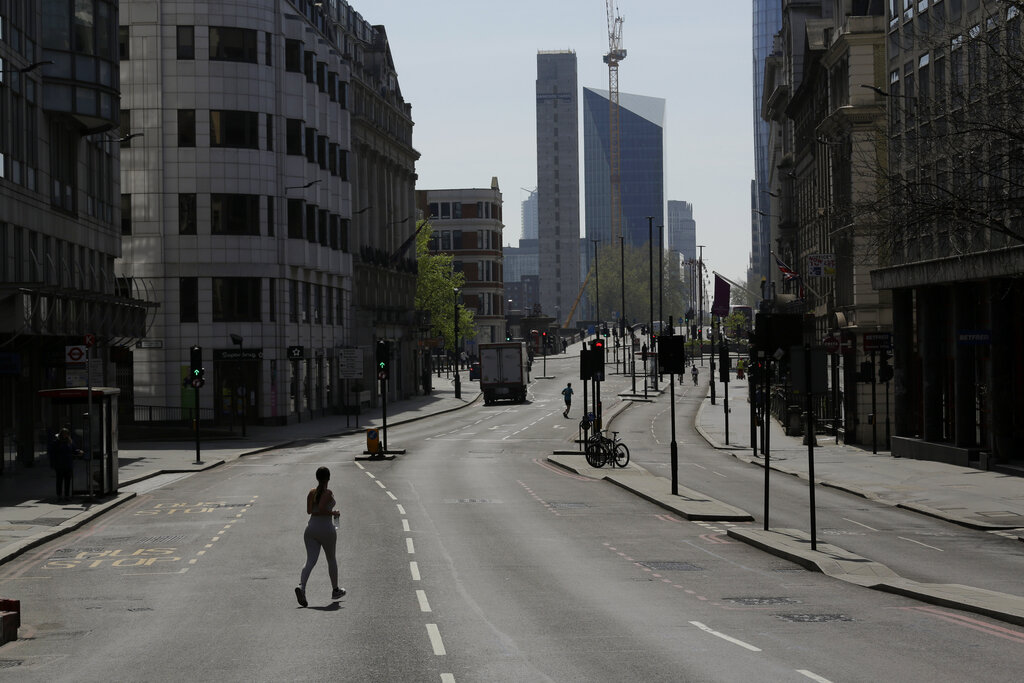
(953, 180)
(435, 282)
(635, 283)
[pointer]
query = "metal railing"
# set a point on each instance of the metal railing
(169, 414)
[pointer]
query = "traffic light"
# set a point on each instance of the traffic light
(867, 372)
(604, 330)
(197, 374)
(885, 372)
(672, 354)
(723, 363)
(597, 359)
(383, 351)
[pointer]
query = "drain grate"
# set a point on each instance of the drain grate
(671, 566)
(140, 609)
(470, 500)
(150, 540)
(755, 601)
(813, 618)
(10, 663)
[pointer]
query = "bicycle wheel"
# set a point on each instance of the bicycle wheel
(592, 452)
(621, 455)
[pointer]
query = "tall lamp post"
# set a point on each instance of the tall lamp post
(237, 339)
(650, 270)
(455, 325)
(661, 280)
(622, 308)
(700, 303)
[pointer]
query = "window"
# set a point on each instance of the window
(186, 128)
(234, 214)
(269, 49)
(321, 76)
(270, 132)
(332, 158)
(311, 145)
(63, 165)
(293, 301)
(311, 222)
(272, 299)
(293, 56)
(270, 216)
(236, 299)
(295, 219)
(188, 299)
(456, 209)
(122, 43)
(343, 94)
(232, 44)
(308, 62)
(186, 42)
(293, 134)
(126, 128)
(234, 129)
(321, 151)
(126, 214)
(187, 214)
(343, 164)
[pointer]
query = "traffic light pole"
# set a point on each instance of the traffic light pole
(874, 410)
(196, 389)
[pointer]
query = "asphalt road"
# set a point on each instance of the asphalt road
(469, 558)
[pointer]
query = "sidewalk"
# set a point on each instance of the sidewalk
(973, 498)
(30, 514)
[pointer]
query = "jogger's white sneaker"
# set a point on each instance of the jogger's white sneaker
(338, 594)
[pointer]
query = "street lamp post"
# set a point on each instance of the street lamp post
(661, 280)
(597, 292)
(700, 303)
(650, 278)
(455, 325)
(237, 339)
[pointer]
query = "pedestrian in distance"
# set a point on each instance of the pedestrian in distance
(321, 533)
(693, 373)
(62, 452)
(567, 395)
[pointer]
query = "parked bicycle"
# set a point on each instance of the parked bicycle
(599, 450)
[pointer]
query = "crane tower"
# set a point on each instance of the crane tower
(616, 53)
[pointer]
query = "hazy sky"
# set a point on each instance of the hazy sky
(469, 67)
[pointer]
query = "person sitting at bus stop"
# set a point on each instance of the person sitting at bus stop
(62, 459)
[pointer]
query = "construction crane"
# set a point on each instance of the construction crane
(616, 53)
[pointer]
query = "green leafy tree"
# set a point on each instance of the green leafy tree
(435, 283)
(633, 282)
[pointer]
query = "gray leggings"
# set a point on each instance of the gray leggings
(320, 533)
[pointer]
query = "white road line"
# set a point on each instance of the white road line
(405, 525)
(422, 597)
(813, 676)
(401, 510)
(435, 640)
(719, 474)
(408, 546)
(853, 521)
(713, 632)
(391, 495)
(414, 569)
(381, 484)
(447, 678)
(370, 475)
(919, 543)
(360, 466)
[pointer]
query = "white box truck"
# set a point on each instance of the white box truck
(504, 371)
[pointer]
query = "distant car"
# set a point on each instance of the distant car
(474, 370)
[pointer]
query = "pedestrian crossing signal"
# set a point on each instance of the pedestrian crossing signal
(383, 356)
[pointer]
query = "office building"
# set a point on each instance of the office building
(558, 183)
(238, 203)
(681, 229)
(531, 219)
(767, 15)
(642, 156)
(467, 224)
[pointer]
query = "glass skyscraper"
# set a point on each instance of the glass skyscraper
(767, 22)
(642, 158)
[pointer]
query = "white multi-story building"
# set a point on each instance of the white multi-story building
(236, 200)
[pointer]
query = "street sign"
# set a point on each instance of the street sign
(877, 341)
(974, 337)
(90, 340)
(351, 364)
(74, 354)
(295, 352)
(831, 344)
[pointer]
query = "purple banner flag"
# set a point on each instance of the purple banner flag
(721, 305)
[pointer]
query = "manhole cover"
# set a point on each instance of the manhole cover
(757, 600)
(671, 566)
(48, 521)
(813, 618)
(568, 505)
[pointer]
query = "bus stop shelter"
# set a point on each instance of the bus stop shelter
(91, 415)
